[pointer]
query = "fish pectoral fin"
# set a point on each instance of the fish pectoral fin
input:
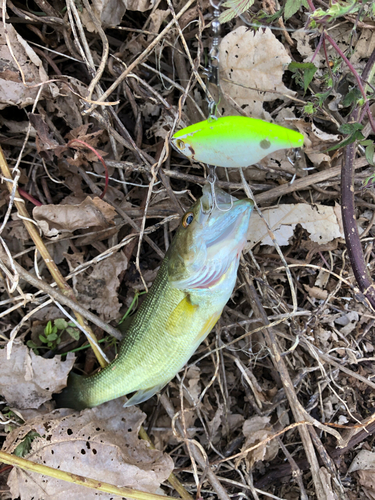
(143, 395)
(181, 316)
(207, 327)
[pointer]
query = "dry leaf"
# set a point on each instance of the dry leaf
(156, 20)
(366, 479)
(364, 460)
(315, 292)
(252, 66)
(322, 278)
(109, 12)
(28, 380)
(306, 47)
(193, 379)
(139, 5)
(322, 335)
(98, 290)
(348, 321)
(364, 47)
(67, 106)
(45, 143)
(101, 443)
(257, 429)
(364, 464)
(13, 91)
(57, 219)
(315, 141)
(215, 423)
(326, 479)
(319, 220)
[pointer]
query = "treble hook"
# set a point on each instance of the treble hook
(211, 179)
(216, 6)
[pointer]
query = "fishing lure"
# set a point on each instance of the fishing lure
(194, 282)
(233, 141)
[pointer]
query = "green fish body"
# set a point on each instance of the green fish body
(194, 282)
(233, 141)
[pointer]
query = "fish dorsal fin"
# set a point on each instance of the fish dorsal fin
(143, 395)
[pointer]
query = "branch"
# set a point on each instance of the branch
(355, 252)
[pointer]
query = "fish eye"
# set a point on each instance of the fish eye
(180, 144)
(187, 219)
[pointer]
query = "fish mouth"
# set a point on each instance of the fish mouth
(222, 224)
(232, 239)
(227, 232)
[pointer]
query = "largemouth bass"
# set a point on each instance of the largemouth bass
(194, 282)
(233, 141)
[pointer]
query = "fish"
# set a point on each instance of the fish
(233, 141)
(195, 280)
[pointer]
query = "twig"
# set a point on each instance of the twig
(172, 479)
(105, 53)
(100, 158)
(63, 299)
(142, 56)
(305, 182)
(220, 491)
(53, 269)
(269, 195)
(353, 242)
(298, 412)
(24, 464)
(296, 471)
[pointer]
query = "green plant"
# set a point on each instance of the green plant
(25, 445)
(53, 331)
(303, 73)
(132, 306)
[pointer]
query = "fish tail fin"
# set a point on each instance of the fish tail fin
(72, 395)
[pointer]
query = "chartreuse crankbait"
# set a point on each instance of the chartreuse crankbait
(195, 281)
(233, 141)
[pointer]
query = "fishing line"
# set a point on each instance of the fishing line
(213, 76)
(212, 71)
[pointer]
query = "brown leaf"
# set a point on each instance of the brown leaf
(57, 219)
(45, 143)
(257, 429)
(315, 292)
(366, 479)
(252, 66)
(101, 443)
(98, 290)
(28, 380)
(140, 5)
(13, 90)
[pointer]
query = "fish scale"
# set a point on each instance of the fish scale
(174, 318)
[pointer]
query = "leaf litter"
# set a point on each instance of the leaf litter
(27, 380)
(95, 443)
(240, 388)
